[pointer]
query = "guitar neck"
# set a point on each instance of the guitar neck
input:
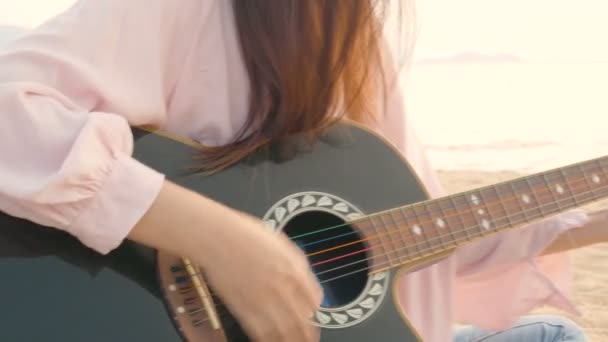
(431, 227)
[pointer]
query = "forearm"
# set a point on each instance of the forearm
(594, 231)
(181, 222)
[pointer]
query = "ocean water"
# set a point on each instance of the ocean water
(514, 116)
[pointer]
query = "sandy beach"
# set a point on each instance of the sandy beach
(590, 263)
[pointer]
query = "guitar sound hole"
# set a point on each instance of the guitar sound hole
(336, 253)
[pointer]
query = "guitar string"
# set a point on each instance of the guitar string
(459, 215)
(472, 228)
(480, 189)
(429, 251)
(369, 217)
(469, 229)
(508, 198)
(389, 262)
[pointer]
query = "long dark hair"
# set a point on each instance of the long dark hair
(310, 63)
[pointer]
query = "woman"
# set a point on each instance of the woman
(230, 75)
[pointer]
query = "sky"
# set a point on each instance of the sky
(29, 13)
(532, 29)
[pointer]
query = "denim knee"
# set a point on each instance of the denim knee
(538, 328)
(569, 330)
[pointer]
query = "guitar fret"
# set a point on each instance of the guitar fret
(532, 202)
(489, 212)
(486, 212)
(473, 203)
(504, 215)
(597, 175)
(552, 205)
(559, 189)
(436, 242)
(458, 209)
(440, 223)
(374, 243)
(574, 185)
(393, 244)
(596, 178)
(422, 219)
(412, 227)
(450, 214)
(603, 190)
(379, 235)
(498, 209)
(522, 211)
(542, 195)
(402, 229)
(589, 193)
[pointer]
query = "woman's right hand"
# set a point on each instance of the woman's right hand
(262, 277)
(265, 280)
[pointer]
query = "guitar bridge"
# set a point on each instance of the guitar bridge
(190, 300)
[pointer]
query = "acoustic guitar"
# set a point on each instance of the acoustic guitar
(349, 200)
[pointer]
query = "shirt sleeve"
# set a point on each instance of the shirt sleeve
(69, 92)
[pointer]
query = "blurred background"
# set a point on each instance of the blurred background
(495, 85)
(497, 89)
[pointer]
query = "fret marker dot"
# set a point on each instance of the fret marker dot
(440, 223)
(526, 198)
(559, 189)
(181, 310)
(485, 224)
(417, 230)
(475, 199)
(481, 212)
(595, 178)
(172, 288)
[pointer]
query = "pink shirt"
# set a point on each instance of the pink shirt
(71, 89)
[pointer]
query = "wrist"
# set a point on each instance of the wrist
(183, 222)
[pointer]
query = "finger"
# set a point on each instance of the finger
(314, 290)
(311, 331)
(258, 326)
(294, 317)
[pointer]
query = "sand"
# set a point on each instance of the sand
(590, 263)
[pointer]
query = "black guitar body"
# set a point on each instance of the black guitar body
(55, 290)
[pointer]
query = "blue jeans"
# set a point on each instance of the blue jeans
(539, 328)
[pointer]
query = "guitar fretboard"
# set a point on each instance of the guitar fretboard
(434, 226)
